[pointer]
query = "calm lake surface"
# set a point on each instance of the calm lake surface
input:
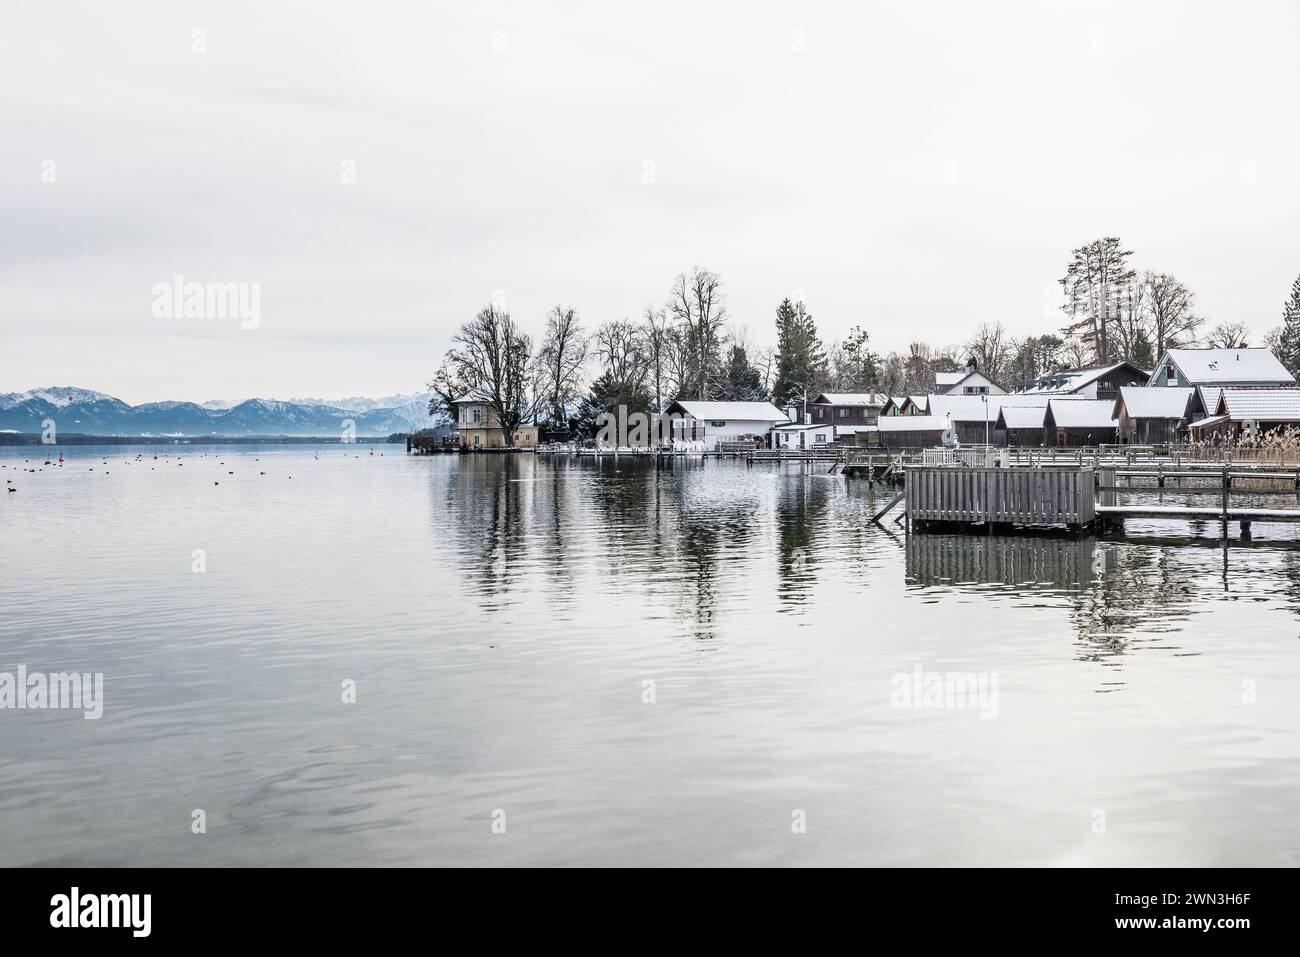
(505, 620)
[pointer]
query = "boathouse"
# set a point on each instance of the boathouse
(1077, 423)
(912, 431)
(1022, 425)
(974, 417)
(1249, 413)
(1146, 416)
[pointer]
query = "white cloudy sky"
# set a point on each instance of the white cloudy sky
(916, 168)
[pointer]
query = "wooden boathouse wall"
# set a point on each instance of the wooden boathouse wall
(1001, 496)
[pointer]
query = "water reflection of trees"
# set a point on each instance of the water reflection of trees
(801, 513)
(488, 500)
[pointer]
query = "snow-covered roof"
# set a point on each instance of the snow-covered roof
(1023, 416)
(1212, 420)
(1072, 380)
(851, 398)
(949, 378)
(797, 427)
(1229, 365)
(1143, 402)
(744, 411)
(966, 408)
(913, 423)
(1083, 413)
(1263, 405)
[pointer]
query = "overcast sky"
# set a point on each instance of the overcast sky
(915, 168)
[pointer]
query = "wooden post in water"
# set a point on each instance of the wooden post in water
(1226, 483)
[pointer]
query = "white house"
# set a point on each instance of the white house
(793, 435)
(968, 382)
(714, 422)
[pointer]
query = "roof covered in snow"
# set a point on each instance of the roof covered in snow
(1142, 402)
(851, 398)
(742, 411)
(1262, 405)
(913, 423)
(966, 408)
(1072, 380)
(1229, 365)
(1082, 413)
(1022, 416)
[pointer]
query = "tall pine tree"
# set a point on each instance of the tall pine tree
(1289, 341)
(799, 354)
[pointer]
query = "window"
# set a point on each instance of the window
(844, 413)
(975, 390)
(718, 423)
(1170, 374)
(478, 414)
(821, 439)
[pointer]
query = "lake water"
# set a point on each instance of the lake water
(622, 663)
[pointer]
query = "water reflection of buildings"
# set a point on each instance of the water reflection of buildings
(1118, 595)
(1039, 562)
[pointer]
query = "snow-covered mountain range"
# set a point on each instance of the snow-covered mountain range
(75, 410)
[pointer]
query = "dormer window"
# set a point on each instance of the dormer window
(1170, 374)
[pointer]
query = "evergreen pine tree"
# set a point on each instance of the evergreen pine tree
(800, 354)
(1289, 341)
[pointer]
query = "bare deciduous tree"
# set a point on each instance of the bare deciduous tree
(1174, 324)
(1229, 335)
(658, 340)
(697, 304)
(618, 345)
(493, 359)
(560, 361)
(991, 349)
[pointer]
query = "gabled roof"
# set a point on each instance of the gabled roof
(1072, 380)
(1263, 405)
(743, 411)
(1022, 416)
(965, 408)
(1142, 402)
(851, 398)
(913, 423)
(1200, 366)
(1082, 413)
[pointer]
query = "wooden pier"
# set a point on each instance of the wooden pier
(1077, 498)
(1012, 497)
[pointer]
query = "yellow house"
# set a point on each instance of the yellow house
(478, 427)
